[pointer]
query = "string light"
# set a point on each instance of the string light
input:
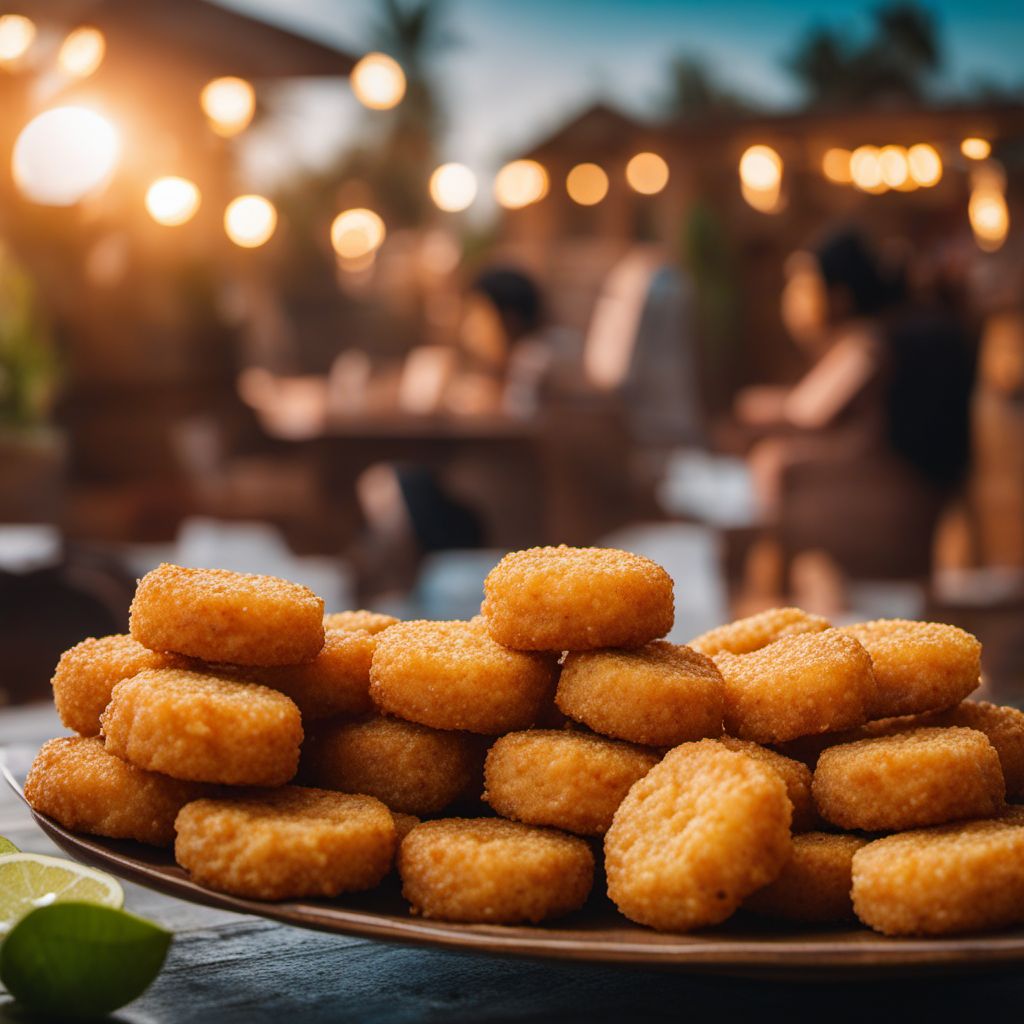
(250, 221)
(357, 233)
(989, 217)
(452, 187)
(835, 165)
(924, 164)
(975, 148)
(520, 183)
(17, 34)
(82, 52)
(892, 162)
(378, 81)
(647, 173)
(760, 170)
(587, 184)
(172, 201)
(229, 104)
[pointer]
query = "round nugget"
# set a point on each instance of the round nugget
(452, 675)
(87, 672)
(660, 694)
(700, 832)
(570, 780)
(202, 728)
(335, 682)
(796, 776)
(757, 631)
(908, 780)
(411, 768)
(286, 843)
(79, 784)
(404, 824)
(577, 599)
(223, 616)
(940, 881)
(491, 871)
(797, 686)
(919, 666)
(815, 883)
(372, 622)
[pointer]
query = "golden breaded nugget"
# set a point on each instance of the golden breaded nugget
(577, 599)
(372, 622)
(660, 694)
(908, 780)
(404, 824)
(797, 686)
(940, 881)
(202, 728)
(411, 768)
(815, 883)
(452, 675)
(794, 774)
(757, 631)
(223, 616)
(492, 871)
(700, 832)
(87, 672)
(919, 666)
(286, 843)
(79, 784)
(570, 780)
(335, 682)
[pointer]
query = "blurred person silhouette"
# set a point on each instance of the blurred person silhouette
(860, 456)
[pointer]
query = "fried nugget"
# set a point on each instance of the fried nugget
(372, 622)
(492, 871)
(700, 832)
(815, 883)
(660, 694)
(202, 728)
(796, 776)
(908, 780)
(570, 780)
(222, 616)
(286, 843)
(412, 768)
(85, 788)
(941, 881)
(797, 686)
(452, 675)
(757, 631)
(919, 666)
(404, 824)
(577, 599)
(335, 682)
(87, 672)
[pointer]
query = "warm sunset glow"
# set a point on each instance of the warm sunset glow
(378, 81)
(357, 233)
(587, 184)
(976, 149)
(520, 183)
(65, 155)
(647, 173)
(892, 162)
(82, 52)
(990, 219)
(761, 168)
(925, 164)
(250, 221)
(835, 165)
(866, 169)
(229, 104)
(172, 201)
(452, 187)
(16, 36)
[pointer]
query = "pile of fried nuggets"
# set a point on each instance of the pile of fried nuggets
(775, 764)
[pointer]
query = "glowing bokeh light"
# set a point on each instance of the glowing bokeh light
(453, 187)
(761, 168)
(925, 164)
(82, 52)
(975, 148)
(866, 169)
(892, 162)
(172, 201)
(64, 155)
(587, 184)
(647, 173)
(355, 234)
(835, 165)
(520, 183)
(17, 34)
(378, 81)
(250, 221)
(229, 104)
(989, 217)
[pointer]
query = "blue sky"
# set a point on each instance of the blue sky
(521, 66)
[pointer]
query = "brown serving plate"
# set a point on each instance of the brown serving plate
(744, 946)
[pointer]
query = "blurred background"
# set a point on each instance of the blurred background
(366, 292)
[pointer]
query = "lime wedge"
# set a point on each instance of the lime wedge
(6, 846)
(31, 880)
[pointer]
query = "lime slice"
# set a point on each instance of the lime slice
(6, 846)
(31, 880)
